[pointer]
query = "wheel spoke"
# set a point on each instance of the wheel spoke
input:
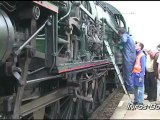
(88, 107)
(52, 111)
(101, 89)
(70, 109)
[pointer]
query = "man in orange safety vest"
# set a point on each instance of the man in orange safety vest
(138, 73)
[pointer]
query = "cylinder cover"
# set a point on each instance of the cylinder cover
(7, 36)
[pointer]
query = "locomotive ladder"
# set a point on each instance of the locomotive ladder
(116, 67)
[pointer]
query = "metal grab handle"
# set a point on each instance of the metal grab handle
(24, 44)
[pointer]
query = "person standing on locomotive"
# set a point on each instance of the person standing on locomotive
(129, 57)
(138, 74)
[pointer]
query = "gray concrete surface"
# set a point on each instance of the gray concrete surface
(148, 112)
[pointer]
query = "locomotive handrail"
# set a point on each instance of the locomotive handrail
(27, 41)
(42, 79)
(85, 10)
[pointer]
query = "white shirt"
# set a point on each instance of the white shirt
(149, 64)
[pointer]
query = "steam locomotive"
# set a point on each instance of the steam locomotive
(53, 60)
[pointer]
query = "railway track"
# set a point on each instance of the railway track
(106, 109)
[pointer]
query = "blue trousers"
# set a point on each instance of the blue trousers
(128, 63)
(138, 94)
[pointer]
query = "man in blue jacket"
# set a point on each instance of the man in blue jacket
(138, 74)
(129, 56)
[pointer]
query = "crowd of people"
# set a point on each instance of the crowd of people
(141, 69)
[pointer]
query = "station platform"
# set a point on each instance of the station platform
(124, 110)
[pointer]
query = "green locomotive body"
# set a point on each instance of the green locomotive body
(53, 60)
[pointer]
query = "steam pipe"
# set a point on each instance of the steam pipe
(66, 14)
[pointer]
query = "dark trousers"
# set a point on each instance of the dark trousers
(151, 85)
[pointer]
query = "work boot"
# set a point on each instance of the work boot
(151, 100)
(130, 92)
(135, 103)
(140, 104)
(147, 98)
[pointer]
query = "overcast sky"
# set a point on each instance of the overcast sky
(144, 23)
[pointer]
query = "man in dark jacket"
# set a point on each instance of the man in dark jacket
(158, 80)
(156, 66)
(149, 81)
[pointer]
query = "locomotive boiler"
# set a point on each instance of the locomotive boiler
(53, 61)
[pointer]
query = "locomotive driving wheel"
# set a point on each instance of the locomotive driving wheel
(90, 90)
(70, 108)
(101, 89)
(52, 111)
